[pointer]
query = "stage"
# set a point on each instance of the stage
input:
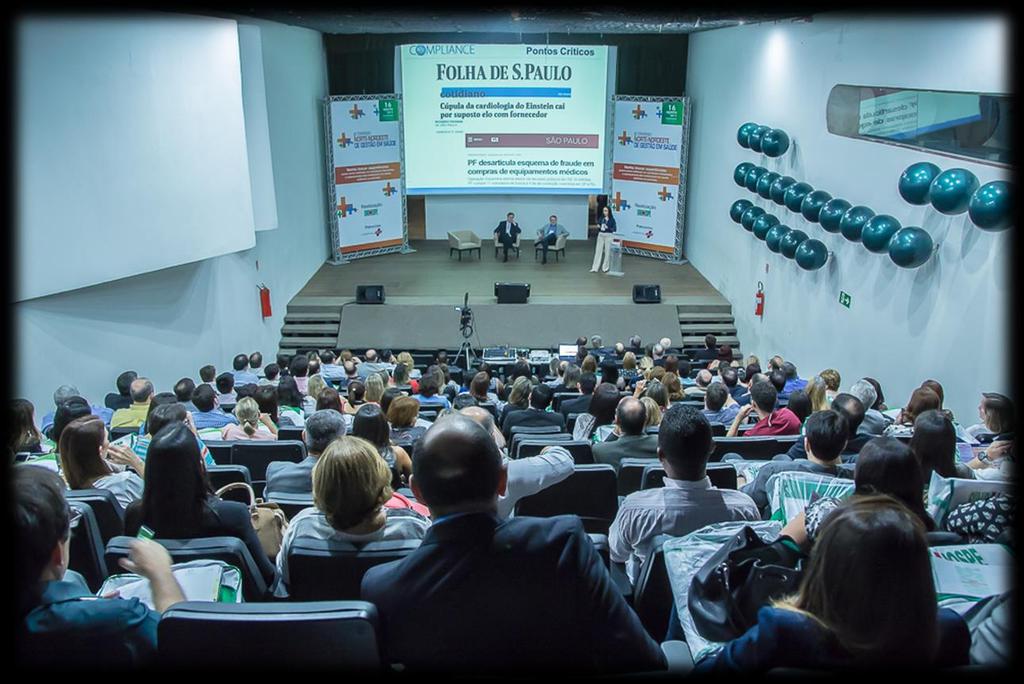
(566, 300)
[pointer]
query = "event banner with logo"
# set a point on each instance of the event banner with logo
(365, 178)
(649, 174)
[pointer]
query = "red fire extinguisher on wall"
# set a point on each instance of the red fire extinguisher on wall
(265, 301)
(759, 300)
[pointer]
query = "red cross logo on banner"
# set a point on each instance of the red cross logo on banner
(345, 209)
(639, 113)
(388, 190)
(623, 139)
(344, 140)
(356, 112)
(664, 194)
(620, 202)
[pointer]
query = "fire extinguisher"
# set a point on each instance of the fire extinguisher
(265, 301)
(759, 300)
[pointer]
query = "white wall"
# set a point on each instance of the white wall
(167, 324)
(257, 130)
(945, 320)
(130, 136)
(481, 213)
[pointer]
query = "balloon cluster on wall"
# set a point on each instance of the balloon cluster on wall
(955, 191)
(908, 247)
(772, 141)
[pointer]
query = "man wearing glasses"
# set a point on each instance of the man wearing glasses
(60, 621)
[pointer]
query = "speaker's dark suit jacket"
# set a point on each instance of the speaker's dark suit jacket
(505, 236)
(483, 594)
(531, 417)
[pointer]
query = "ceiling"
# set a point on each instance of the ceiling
(489, 20)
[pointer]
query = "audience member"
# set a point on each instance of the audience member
(674, 387)
(429, 388)
(656, 391)
(686, 503)
(207, 375)
(159, 416)
(832, 381)
(921, 399)
(551, 603)
(697, 391)
(178, 502)
(252, 425)
(371, 424)
(226, 396)
(478, 387)
(997, 419)
(289, 402)
(875, 421)
(934, 446)
(824, 438)
(266, 398)
(86, 457)
(69, 410)
(629, 439)
(60, 621)
(207, 415)
(652, 412)
(374, 388)
(121, 399)
(256, 364)
(403, 416)
(596, 424)
(580, 404)
(817, 392)
(882, 613)
(270, 375)
(730, 378)
(183, 390)
(285, 477)
(315, 385)
(719, 407)
(536, 415)
(518, 399)
(299, 370)
(771, 421)
(879, 404)
(141, 392)
(800, 404)
(60, 395)
(242, 374)
(710, 350)
(23, 435)
(851, 408)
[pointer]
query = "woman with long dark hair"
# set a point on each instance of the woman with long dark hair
(605, 232)
(867, 600)
(598, 422)
(178, 502)
(371, 424)
(934, 446)
(90, 461)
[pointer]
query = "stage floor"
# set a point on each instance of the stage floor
(431, 276)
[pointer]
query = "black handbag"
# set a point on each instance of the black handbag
(738, 580)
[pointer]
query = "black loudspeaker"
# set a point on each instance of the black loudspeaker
(512, 293)
(369, 294)
(647, 294)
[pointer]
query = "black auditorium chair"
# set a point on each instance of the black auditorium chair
(118, 433)
(752, 448)
(291, 504)
(327, 570)
(531, 445)
(220, 450)
(428, 415)
(558, 398)
(590, 493)
(85, 553)
(652, 595)
(257, 455)
(325, 634)
(222, 475)
(722, 475)
(631, 474)
(289, 433)
(580, 449)
(107, 511)
(570, 421)
(231, 550)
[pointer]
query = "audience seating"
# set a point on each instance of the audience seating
(534, 430)
(320, 570)
(559, 397)
(753, 448)
(722, 475)
(616, 571)
(256, 455)
(652, 596)
(719, 429)
(428, 415)
(570, 422)
(221, 475)
(652, 429)
(85, 554)
(220, 451)
(944, 538)
(491, 407)
(533, 445)
(231, 550)
(337, 634)
(105, 508)
(590, 493)
(289, 433)
(291, 504)
(119, 432)
(631, 474)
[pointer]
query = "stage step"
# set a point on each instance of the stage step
(715, 329)
(710, 317)
(319, 329)
(698, 341)
(311, 317)
(704, 309)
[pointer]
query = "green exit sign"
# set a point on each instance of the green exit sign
(844, 299)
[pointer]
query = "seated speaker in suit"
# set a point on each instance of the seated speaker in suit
(285, 477)
(535, 416)
(507, 232)
(630, 442)
(483, 594)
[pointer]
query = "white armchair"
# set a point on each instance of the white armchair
(463, 241)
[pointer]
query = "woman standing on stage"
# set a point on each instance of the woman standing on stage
(603, 253)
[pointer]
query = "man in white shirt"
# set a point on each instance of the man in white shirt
(686, 503)
(526, 476)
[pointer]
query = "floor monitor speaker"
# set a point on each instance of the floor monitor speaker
(369, 294)
(647, 294)
(512, 293)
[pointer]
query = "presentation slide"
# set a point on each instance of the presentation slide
(504, 118)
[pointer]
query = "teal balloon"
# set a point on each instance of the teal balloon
(910, 247)
(916, 181)
(777, 192)
(748, 217)
(775, 142)
(811, 255)
(737, 209)
(832, 213)
(813, 203)
(775, 235)
(790, 241)
(740, 173)
(878, 231)
(762, 224)
(951, 191)
(990, 206)
(764, 183)
(754, 175)
(743, 132)
(754, 139)
(852, 223)
(795, 194)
